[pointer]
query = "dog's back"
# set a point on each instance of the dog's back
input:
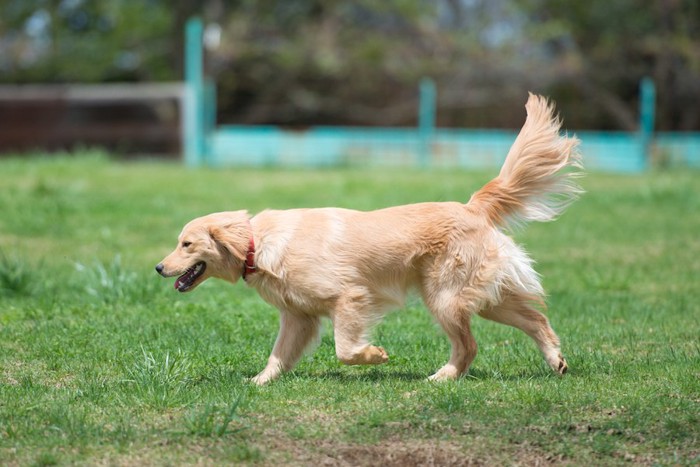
(328, 250)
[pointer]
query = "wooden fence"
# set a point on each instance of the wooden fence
(125, 118)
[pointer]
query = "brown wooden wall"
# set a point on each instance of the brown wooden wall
(58, 121)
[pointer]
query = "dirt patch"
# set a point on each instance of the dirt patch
(396, 452)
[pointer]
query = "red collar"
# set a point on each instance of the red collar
(249, 266)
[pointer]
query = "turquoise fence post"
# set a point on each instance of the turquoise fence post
(426, 120)
(209, 124)
(647, 112)
(194, 119)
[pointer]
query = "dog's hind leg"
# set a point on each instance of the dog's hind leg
(295, 335)
(518, 311)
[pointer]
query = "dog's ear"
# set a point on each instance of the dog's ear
(231, 230)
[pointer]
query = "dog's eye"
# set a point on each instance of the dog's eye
(186, 244)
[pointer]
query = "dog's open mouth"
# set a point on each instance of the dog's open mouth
(185, 281)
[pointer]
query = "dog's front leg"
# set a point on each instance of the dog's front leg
(296, 333)
(351, 346)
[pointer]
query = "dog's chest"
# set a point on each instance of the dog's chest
(301, 300)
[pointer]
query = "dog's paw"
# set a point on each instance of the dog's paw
(377, 355)
(261, 379)
(369, 355)
(562, 367)
(256, 380)
(446, 373)
(556, 361)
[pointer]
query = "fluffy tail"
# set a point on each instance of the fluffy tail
(537, 180)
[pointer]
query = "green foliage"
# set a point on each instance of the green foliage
(159, 382)
(113, 283)
(107, 364)
(608, 47)
(212, 420)
(311, 62)
(16, 276)
(86, 41)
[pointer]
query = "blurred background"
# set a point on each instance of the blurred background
(304, 63)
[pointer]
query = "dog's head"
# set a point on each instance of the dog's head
(211, 246)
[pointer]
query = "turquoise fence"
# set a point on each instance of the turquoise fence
(335, 146)
(225, 145)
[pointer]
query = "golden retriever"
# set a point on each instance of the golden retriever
(354, 266)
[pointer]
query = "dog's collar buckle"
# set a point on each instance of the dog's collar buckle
(249, 266)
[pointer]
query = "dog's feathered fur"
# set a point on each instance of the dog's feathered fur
(354, 266)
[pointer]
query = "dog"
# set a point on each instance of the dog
(354, 266)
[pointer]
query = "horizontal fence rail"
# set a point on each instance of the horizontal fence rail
(92, 92)
(474, 149)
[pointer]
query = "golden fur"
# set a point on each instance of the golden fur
(354, 266)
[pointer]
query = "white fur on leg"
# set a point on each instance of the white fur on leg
(271, 371)
(556, 361)
(446, 373)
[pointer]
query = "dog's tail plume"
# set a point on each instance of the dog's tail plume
(537, 180)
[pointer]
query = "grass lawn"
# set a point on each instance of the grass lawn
(103, 362)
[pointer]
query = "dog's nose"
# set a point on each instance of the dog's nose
(159, 268)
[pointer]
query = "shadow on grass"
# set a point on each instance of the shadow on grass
(347, 377)
(369, 376)
(524, 374)
(377, 375)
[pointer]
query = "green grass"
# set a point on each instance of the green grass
(102, 362)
